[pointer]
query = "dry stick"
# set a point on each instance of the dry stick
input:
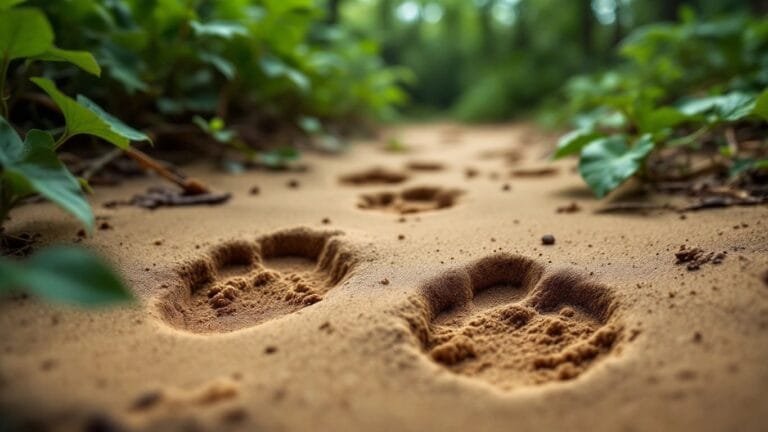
(190, 186)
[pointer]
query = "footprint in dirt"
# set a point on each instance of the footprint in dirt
(242, 284)
(374, 176)
(503, 321)
(411, 200)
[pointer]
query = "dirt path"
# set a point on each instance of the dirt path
(403, 291)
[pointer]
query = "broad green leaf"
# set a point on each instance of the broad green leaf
(729, 107)
(222, 29)
(65, 275)
(574, 141)
(657, 120)
(761, 106)
(85, 117)
(82, 59)
(608, 162)
(24, 32)
(40, 170)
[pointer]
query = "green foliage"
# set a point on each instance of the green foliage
(32, 167)
(608, 162)
(679, 84)
(85, 117)
(192, 58)
(64, 275)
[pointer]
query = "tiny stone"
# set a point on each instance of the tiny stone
(548, 240)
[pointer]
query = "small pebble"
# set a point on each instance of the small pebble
(548, 240)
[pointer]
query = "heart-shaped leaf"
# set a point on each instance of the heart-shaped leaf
(608, 162)
(65, 275)
(85, 117)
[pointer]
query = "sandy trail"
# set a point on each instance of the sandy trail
(404, 291)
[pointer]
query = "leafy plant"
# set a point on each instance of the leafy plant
(683, 86)
(31, 167)
(64, 275)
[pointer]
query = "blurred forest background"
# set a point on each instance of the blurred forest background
(485, 60)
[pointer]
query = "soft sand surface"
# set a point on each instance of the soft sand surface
(256, 315)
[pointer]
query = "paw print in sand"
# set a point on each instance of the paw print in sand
(505, 321)
(243, 284)
(411, 200)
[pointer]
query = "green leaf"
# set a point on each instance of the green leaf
(729, 107)
(761, 106)
(607, 163)
(657, 120)
(24, 33)
(574, 141)
(38, 169)
(85, 117)
(11, 147)
(222, 29)
(82, 59)
(65, 275)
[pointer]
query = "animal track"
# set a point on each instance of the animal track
(242, 284)
(503, 321)
(374, 176)
(411, 200)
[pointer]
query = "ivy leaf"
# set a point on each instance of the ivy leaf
(37, 169)
(608, 162)
(65, 275)
(85, 117)
(574, 141)
(82, 59)
(24, 32)
(729, 107)
(761, 106)
(222, 29)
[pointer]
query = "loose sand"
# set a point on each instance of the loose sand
(402, 291)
